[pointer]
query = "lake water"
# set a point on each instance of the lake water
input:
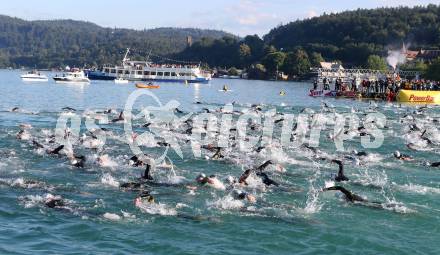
(101, 218)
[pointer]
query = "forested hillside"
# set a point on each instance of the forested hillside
(359, 38)
(66, 42)
(354, 35)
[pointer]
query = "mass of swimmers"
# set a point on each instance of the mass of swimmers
(386, 89)
(235, 186)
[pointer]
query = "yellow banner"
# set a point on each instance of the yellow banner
(419, 96)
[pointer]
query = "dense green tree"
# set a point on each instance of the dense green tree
(376, 62)
(257, 72)
(419, 66)
(257, 46)
(245, 54)
(433, 71)
(315, 59)
(274, 61)
(297, 63)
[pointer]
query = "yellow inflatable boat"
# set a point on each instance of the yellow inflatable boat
(419, 96)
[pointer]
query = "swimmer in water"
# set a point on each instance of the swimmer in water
(147, 174)
(360, 153)
(140, 184)
(144, 197)
(54, 202)
(136, 161)
(242, 195)
(349, 196)
(225, 88)
(266, 180)
(353, 198)
(203, 179)
(120, 118)
(70, 109)
(263, 176)
(23, 135)
(340, 177)
(210, 181)
(217, 154)
(433, 164)
(78, 161)
(55, 151)
(403, 157)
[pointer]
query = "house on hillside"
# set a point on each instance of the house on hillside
(423, 55)
(428, 55)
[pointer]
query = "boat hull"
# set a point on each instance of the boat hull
(96, 75)
(71, 81)
(32, 79)
(146, 86)
(418, 96)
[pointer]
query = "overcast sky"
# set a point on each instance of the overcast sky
(241, 17)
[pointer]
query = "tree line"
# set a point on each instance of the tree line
(57, 43)
(359, 38)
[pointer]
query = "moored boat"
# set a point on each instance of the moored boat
(148, 71)
(121, 81)
(76, 76)
(94, 74)
(34, 76)
(147, 86)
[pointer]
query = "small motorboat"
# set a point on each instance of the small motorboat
(121, 81)
(147, 86)
(34, 76)
(76, 76)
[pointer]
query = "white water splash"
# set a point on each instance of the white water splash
(157, 209)
(226, 203)
(111, 216)
(419, 189)
(106, 161)
(312, 203)
(107, 179)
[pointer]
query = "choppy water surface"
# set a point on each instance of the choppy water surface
(100, 218)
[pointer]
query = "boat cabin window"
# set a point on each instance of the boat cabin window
(159, 73)
(140, 72)
(120, 71)
(113, 70)
(167, 73)
(153, 73)
(127, 72)
(147, 73)
(173, 74)
(106, 70)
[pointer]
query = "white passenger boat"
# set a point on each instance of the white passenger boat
(148, 71)
(76, 76)
(34, 76)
